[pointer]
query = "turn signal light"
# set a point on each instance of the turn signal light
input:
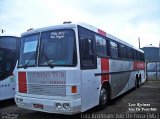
(74, 89)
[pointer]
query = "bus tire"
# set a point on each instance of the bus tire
(137, 82)
(103, 98)
(140, 80)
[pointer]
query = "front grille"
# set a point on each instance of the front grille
(47, 90)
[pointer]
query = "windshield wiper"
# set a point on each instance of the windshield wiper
(46, 57)
(48, 61)
(26, 65)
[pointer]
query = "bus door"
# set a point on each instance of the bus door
(90, 83)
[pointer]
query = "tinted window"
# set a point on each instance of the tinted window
(114, 49)
(134, 55)
(130, 53)
(28, 50)
(8, 55)
(123, 51)
(142, 57)
(101, 46)
(8, 43)
(87, 48)
(138, 55)
(87, 52)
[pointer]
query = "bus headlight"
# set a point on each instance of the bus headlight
(19, 100)
(58, 106)
(62, 106)
(66, 106)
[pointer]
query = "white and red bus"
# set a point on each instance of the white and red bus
(9, 52)
(71, 68)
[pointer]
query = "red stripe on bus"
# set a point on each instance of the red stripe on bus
(139, 66)
(104, 69)
(22, 82)
(101, 32)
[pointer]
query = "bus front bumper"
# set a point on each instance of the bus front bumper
(48, 105)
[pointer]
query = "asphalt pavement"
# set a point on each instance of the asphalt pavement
(140, 103)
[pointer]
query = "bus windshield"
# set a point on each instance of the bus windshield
(8, 55)
(56, 48)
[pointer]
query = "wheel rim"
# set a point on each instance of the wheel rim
(136, 83)
(103, 96)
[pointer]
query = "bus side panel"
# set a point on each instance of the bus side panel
(120, 72)
(7, 88)
(90, 89)
(132, 79)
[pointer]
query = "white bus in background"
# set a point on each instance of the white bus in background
(9, 52)
(71, 68)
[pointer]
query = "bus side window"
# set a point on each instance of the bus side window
(114, 49)
(123, 52)
(101, 46)
(142, 57)
(87, 53)
(138, 56)
(130, 53)
(134, 55)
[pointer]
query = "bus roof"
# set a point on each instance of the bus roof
(9, 35)
(87, 26)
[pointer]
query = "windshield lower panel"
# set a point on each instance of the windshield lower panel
(58, 48)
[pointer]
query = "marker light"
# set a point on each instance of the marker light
(74, 89)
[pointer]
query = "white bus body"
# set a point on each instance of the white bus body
(9, 46)
(71, 68)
